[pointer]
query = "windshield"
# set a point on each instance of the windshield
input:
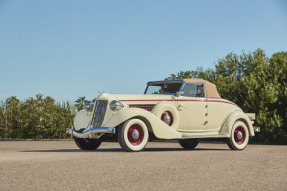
(168, 88)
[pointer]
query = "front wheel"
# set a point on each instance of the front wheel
(133, 135)
(239, 136)
(87, 144)
(188, 144)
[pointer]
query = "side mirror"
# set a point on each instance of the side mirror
(180, 93)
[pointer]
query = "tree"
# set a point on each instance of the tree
(80, 102)
(38, 117)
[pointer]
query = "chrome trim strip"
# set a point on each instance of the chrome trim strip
(184, 136)
(164, 81)
(91, 132)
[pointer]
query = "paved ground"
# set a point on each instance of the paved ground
(60, 165)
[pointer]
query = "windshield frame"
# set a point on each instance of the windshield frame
(162, 83)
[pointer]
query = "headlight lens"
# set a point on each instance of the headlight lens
(116, 105)
(89, 105)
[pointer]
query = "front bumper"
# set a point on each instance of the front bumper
(92, 132)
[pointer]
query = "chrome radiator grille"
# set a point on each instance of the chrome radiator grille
(99, 113)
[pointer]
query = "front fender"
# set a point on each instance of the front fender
(160, 129)
(232, 118)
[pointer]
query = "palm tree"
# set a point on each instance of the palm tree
(80, 102)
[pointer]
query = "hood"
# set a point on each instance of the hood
(130, 100)
(137, 97)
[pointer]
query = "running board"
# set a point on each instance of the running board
(185, 136)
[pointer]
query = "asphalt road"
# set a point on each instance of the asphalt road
(60, 165)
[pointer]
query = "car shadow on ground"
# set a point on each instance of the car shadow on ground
(120, 150)
(181, 149)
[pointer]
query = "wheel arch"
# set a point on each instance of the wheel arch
(154, 124)
(232, 118)
(146, 121)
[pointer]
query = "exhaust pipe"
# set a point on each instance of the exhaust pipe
(91, 133)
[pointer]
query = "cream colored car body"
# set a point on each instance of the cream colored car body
(193, 117)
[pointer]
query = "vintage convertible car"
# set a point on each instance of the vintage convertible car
(187, 110)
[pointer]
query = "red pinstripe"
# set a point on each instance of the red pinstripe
(201, 100)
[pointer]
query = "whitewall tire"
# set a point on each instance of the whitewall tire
(239, 136)
(133, 135)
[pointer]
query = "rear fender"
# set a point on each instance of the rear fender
(232, 118)
(160, 129)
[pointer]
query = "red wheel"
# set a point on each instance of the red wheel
(133, 135)
(239, 136)
(168, 113)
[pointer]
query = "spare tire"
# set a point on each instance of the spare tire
(167, 113)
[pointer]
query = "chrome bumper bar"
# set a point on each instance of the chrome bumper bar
(91, 133)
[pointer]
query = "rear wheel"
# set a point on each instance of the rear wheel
(188, 144)
(239, 136)
(87, 144)
(133, 135)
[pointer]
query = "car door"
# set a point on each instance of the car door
(192, 106)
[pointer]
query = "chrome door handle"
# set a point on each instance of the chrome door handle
(181, 106)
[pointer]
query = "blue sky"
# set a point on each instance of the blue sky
(67, 49)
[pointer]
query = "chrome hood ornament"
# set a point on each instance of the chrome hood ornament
(101, 92)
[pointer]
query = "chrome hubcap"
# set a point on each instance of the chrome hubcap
(166, 119)
(239, 135)
(135, 134)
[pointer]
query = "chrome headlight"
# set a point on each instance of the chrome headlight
(116, 105)
(89, 105)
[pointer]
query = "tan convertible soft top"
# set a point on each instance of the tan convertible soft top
(211, 91)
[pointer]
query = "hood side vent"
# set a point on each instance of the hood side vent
(148, 107)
